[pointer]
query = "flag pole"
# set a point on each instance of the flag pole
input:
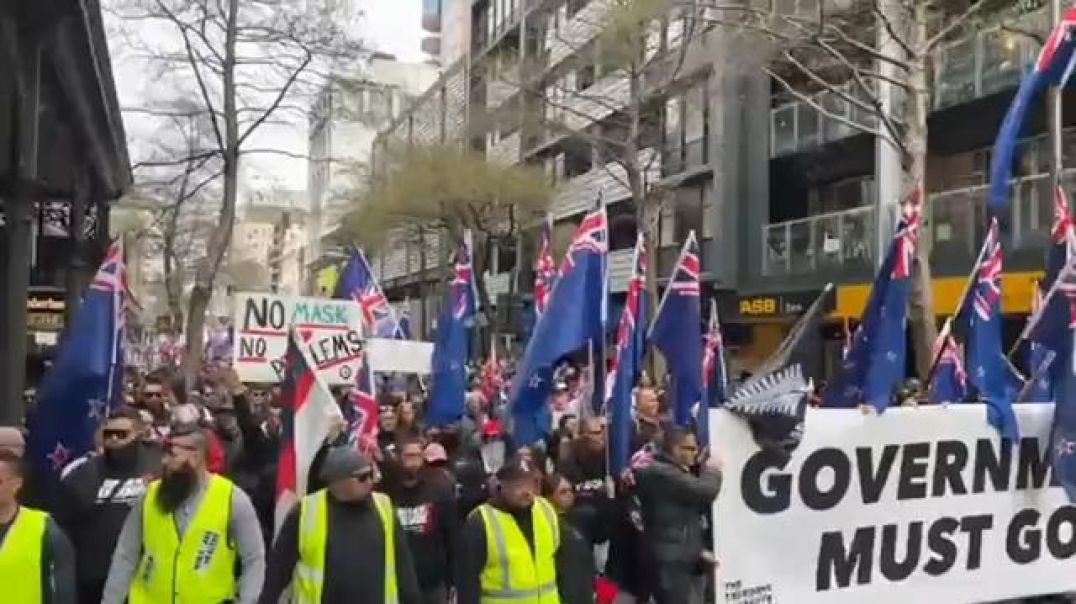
(960, 303)
(1037, 372)
(944, 333)
(1034, 318)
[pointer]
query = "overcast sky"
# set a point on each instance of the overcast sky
(391, 26)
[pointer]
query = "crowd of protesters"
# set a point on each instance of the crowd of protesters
(173, 461)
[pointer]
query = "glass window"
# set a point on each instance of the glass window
(1001, 60)
(688, 212)
(673, 111)
(695, 112)
(956, 73)
(709, 210)
(666, 226)
(837, 106)
(783, 127)
(806, 127)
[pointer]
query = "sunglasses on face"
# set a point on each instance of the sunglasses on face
(116, 434)
(171, 448)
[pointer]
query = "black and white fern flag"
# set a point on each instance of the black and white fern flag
(774, 406)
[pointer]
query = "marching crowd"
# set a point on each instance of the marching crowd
(179, 503)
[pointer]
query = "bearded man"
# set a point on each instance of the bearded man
(182, 541)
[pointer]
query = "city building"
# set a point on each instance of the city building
(63, 154)
(347, 116)
(269, 244)
(782, 197)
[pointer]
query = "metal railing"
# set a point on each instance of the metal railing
(955, 222)
(822, 242)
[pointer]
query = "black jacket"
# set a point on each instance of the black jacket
(472, 554)
(427, 513)
(594, 510)
(97, 497)
(354, 558)
(674, 502)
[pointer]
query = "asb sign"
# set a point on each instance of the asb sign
(769, 306)
(915, 505)
(329, 330)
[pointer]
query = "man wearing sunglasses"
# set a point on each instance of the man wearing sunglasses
(184, 540)
(342, 543)
(98, 496)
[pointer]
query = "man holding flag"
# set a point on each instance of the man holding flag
(574, 318)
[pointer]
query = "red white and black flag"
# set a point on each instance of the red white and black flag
(309, 414)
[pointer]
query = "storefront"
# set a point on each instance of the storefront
(767, 319)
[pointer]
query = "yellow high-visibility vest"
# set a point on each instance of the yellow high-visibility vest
(20, 557)
(198, 568)
(513, 573)
(308, 580)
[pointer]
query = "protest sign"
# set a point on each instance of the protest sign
(915, 505)
(328, 329)
(403, 356)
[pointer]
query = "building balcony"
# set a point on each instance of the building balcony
(505, 150)
(797, 126)
(608, 94)
(955, 222)
(501, 89)
(579, 194)
(833, 241)
(691, 156)
(577, 32)
(500, 283)
(988, 62)
(620, 270)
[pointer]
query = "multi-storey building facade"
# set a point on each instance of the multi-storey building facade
(346, 118)
(782, 198)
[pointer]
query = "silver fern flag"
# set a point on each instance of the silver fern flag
(774, 406)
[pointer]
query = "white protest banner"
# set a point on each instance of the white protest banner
(330, 330)
(915, 505)
(404, 356)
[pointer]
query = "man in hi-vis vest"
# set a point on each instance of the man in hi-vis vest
(37, 563)
(182, 543)
(342, 543)
(510, 546)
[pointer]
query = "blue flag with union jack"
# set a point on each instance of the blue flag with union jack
(86, 378)
(574, 317)
(715, 375)
(1053, 67)
(357, 282)
(627, 362)
(677, 333)
(989, 371)
(949, 384)
(875, 363)
(545, 269)
(452, 343)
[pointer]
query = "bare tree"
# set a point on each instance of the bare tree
(878, 57)
(447, 189)
(243, 65)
